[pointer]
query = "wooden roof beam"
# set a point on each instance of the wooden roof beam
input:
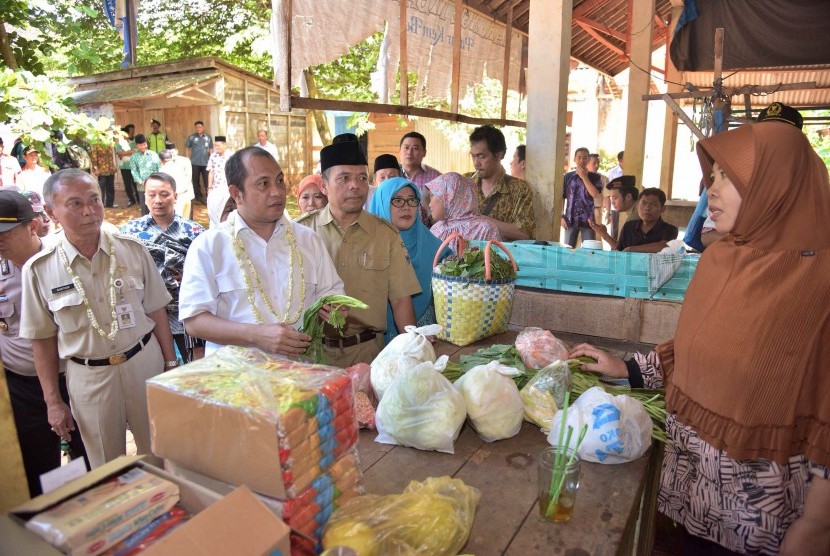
(601, 27)
(600, 39)
(587, 6)
(746, 89)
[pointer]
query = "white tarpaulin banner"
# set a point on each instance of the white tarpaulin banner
(324, 31)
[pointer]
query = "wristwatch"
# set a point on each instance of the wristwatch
(171, 364)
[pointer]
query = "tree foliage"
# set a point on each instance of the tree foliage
(36, 106)
(66, 36)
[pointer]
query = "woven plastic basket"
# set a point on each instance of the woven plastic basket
(471, 309)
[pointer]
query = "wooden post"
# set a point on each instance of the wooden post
(508, 35)
(642, 19)
(282, 9)
(456, 55)
(549, 65)
(133, 28)
(670, 125)
(720, 104)
(404, 77)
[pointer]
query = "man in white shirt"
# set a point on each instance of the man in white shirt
(256, 254)
(264, 143)
(9, 167)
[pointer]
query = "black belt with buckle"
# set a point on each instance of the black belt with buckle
(116, 359)
(365, 336)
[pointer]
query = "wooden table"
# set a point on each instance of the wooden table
(508, 521)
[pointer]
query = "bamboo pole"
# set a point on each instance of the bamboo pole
(282, 9)
(404, 75)
(456, 56)
(508, 36)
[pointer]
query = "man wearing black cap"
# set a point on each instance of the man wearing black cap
(623, 196)
(9, 167)
(368, 253)
(156, 138)
(96, 300)
(39, 446)
(143, 162)
(216, 164)
(386, 166)
(777, 112)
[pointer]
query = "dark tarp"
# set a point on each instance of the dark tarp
(757, 34)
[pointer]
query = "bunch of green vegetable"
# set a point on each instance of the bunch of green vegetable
(503, 353)
(314, 326)
(471, 265)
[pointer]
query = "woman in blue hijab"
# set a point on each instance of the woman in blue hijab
(397, 200)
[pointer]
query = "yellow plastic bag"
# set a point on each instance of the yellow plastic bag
(432, 518)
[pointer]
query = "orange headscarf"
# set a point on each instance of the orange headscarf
(749, 367)
(308, 181)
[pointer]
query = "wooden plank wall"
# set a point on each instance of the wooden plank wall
(386, 138)
(632, 320)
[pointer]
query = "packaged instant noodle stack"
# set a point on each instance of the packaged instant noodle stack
(285, 429)
(99, 518)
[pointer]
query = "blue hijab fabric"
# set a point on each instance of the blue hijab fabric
(419, 242)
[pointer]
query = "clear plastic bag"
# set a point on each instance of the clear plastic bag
(405, 351)
(492, 400)
(430, 518)
(421, 409)
(544, 394)
(619, 428)
(539, 348)
(365, 402)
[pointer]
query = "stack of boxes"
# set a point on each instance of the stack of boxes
(286, 430)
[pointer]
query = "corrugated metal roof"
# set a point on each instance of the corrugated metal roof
(612, 15)
(771, 77)
(152, 87)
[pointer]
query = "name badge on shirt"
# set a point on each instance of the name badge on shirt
(125, 315)
(65, 287)
(4, 267)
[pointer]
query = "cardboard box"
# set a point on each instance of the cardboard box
(246, 418)
(236, 524)
(247, 524)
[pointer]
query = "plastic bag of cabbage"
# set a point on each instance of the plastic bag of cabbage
(403, 352)
(421, 409)
(492, 399)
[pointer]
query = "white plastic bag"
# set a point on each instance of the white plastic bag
(492, 400)
(405, 351)
(421, 409)
(619, 428)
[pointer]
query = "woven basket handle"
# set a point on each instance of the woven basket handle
(446, 242)
(487, 268)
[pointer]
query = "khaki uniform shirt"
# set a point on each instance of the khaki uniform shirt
(514, 203)
(372, 261)
(52, 306)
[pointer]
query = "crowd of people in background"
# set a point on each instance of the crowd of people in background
(90, 312)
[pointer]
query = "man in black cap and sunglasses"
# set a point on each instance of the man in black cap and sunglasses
(368, 253)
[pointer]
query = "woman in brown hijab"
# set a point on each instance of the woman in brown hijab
(747, 376)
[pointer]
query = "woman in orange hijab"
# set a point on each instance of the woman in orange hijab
(310, 193)
(747, 376)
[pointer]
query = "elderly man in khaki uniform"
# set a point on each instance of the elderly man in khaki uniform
(368, 253)
(96, 300)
